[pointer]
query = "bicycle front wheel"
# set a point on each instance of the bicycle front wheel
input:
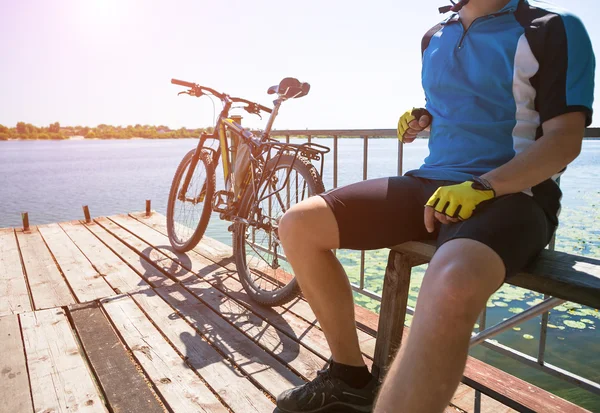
(188, 209)
(262, 266)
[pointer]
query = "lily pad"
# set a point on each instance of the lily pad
(527, 336)
(575, 324)
(517, 328)
(516, 310)
(500, 304)
(587, 321)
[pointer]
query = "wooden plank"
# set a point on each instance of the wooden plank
(116, 273)
(571, 277)
(48, 287)
(141, 265)
(178, 385)
(14, 297)
(14, 379)
(233, 388)
(396, 286)
(60, 380)
(84, 280)
(270, 373)
(125, 387)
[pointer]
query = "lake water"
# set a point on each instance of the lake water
(52, 180)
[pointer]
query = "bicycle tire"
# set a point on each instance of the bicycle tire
(290, 290)
(184, 245)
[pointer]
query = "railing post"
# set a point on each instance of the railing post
(25, 218)
(365, 156)
(396, 285)
(335, 161)
(86, 214)
(400, 157)
(148, 208)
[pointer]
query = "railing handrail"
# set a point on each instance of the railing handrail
(589, 132)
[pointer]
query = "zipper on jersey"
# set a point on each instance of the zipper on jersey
(465, 32)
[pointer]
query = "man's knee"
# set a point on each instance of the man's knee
(310, 221)
(462, 276)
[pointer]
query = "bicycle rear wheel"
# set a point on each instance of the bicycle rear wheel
(188, 213)
(264, 271)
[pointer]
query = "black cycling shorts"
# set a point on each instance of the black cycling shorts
(381, 213)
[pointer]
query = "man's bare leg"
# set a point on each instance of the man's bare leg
(308, 232)
(461, 277)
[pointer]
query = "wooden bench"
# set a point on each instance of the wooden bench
(556, 274)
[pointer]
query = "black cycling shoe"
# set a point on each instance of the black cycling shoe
(326, 393)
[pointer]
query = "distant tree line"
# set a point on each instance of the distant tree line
(56, 132)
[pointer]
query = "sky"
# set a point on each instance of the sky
(87, 62)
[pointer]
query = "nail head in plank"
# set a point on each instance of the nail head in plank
(60, 379)
(15, 395)
(124, 386)
(14, 297)
(179, 386)
(48, 287)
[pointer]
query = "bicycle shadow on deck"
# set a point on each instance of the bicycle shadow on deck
(220, 315)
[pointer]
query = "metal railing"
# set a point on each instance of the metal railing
(538, 362)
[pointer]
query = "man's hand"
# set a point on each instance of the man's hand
(456, 202)
(411, 123)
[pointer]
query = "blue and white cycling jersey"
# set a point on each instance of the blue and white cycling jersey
(491, 87)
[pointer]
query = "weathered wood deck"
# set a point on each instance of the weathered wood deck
(106, 317)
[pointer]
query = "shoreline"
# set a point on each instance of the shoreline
(81, 138)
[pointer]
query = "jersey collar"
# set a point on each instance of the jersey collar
(511, 6)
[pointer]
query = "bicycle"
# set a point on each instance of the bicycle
(262, 177)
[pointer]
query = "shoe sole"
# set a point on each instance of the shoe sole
(360, 409)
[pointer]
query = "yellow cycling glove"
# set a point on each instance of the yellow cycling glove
(407, 117)
(459, 201)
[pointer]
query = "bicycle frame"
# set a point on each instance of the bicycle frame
(260, 153)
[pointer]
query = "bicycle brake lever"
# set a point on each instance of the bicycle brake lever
(185, 92)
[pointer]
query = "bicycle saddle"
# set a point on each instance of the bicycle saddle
(290, 88)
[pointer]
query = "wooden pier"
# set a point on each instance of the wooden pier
(103, 316)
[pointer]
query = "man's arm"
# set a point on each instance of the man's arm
(560, 144)
(550, 154)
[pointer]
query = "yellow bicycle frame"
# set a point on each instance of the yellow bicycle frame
(227, 123)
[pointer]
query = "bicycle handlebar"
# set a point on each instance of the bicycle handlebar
(182, 83)
(221, 96)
